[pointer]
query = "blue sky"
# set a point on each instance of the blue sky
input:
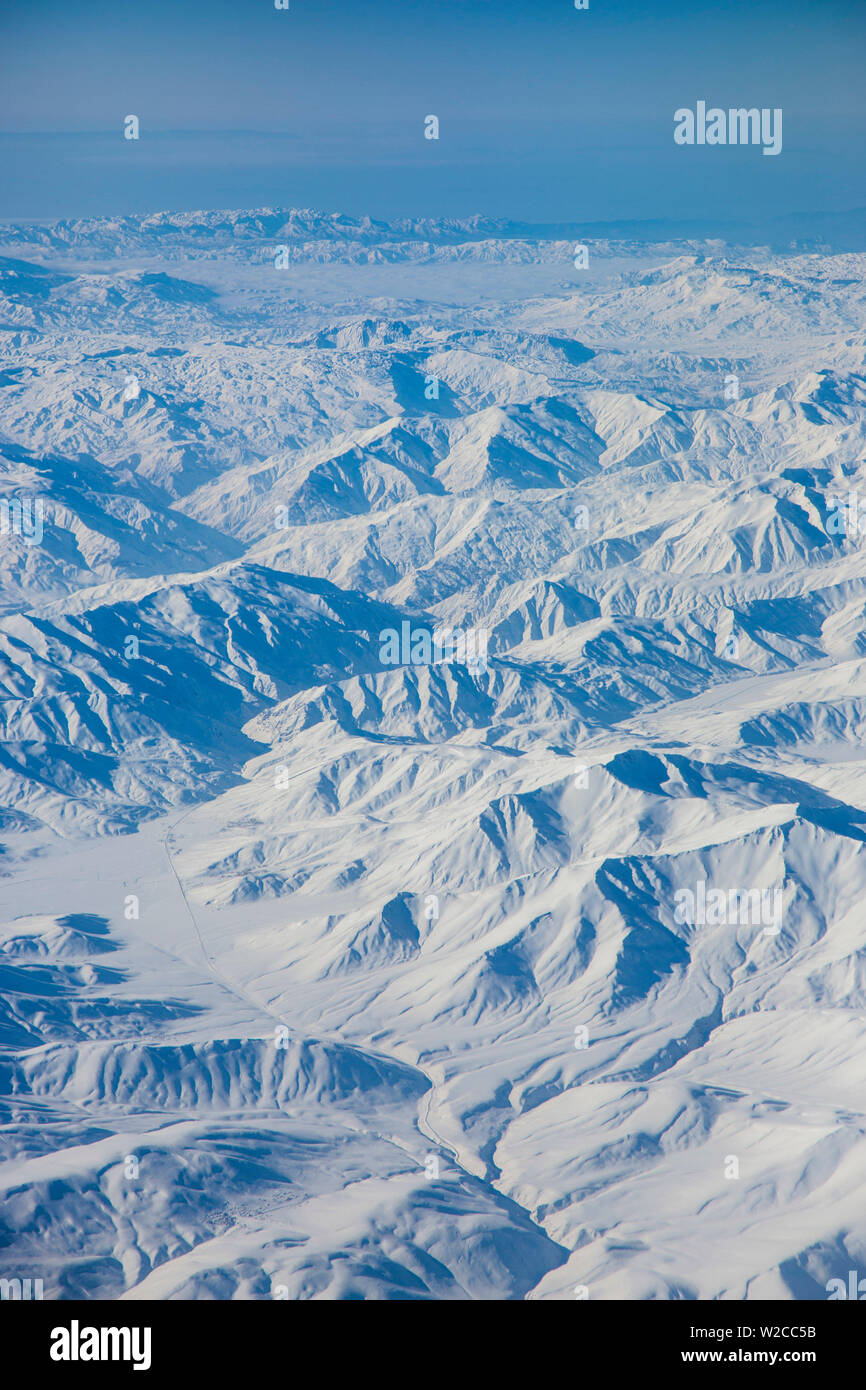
(547, 113)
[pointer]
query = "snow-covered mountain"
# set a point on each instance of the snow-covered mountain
(433, 791)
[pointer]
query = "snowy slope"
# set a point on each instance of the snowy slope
(327, 975)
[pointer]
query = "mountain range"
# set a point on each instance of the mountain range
(330, 977)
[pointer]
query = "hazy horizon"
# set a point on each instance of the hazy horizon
(547, 114)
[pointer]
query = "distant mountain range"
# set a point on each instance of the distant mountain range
(242, 232)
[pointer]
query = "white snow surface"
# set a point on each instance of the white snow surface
(328, 978)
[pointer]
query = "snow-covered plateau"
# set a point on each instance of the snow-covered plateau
(340, 960)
